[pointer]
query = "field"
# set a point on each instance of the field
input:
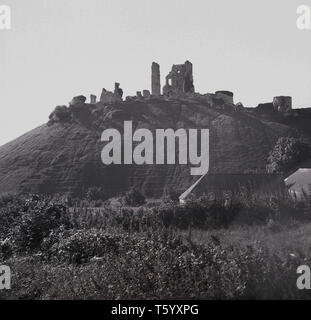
(249, 249)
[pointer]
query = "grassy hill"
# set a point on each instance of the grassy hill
(63, 156)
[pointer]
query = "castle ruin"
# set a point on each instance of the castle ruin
(179, 84)
(282, 103)
(112, 97)
(179, 81)
(225, 96)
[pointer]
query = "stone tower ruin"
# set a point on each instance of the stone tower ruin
(282, 103)
(179, 81)
(155, 79)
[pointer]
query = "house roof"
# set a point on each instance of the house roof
(189, 191)
(299, 180)
(217, 183)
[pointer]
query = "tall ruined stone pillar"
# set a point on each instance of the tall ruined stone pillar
(155, 79)
(188, 77)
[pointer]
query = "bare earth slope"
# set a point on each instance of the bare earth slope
(64, 157)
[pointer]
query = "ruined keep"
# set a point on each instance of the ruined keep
(282, 103)
(155, 80)
(179, 81)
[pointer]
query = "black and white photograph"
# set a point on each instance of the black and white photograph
(155, 150)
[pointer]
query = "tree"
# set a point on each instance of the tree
(287, 154)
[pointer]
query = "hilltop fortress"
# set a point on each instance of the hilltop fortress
(179, 88)
(64, 155)
(179, 84)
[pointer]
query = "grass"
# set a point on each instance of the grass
(285, 241)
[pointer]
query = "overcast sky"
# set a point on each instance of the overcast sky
(61, 48)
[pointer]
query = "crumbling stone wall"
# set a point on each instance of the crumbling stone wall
(282, 103)
(112, 97)
(225, 96)
(146, 94)
(179, 81)
(239, 106)
(117, 90)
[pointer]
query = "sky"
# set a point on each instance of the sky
(58, 49)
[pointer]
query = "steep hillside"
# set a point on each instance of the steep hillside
(64, 156)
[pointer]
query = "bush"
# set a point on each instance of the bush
(10, 213)
(38, 218)
(159, 266)
(6, 249)
(61, 113)
(287, 154)
(79, 246)
(126, 253)
(134, 198)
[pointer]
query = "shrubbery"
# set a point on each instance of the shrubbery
(61, 113)
(197, 213)
(118, 252)
(204, 213)
(134, 198)
(79, 246)
(287, 154)
(26, 222)
(161, 265)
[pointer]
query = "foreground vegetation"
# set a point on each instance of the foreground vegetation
(245, 248)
